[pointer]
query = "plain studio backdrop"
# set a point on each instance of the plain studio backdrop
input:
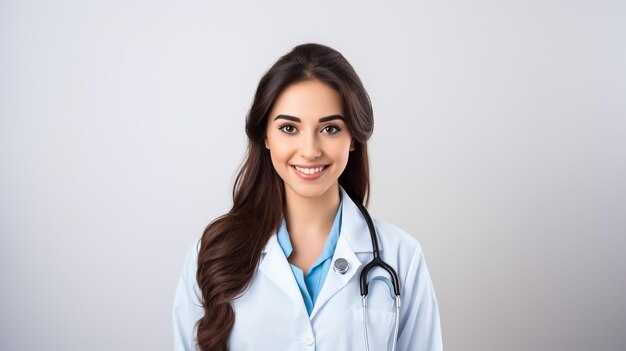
(499, 143)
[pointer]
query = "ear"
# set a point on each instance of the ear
(352, 147)
(267, 145)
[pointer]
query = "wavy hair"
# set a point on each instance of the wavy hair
(231, 245)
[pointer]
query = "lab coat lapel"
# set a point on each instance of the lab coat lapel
(335, 281)
(353, 238)
(276, 267)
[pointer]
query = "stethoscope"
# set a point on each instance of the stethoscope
(341, 266)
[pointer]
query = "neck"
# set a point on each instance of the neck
(311, 217)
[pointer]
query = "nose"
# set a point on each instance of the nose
(310, 148)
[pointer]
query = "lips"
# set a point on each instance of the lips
(309, 172)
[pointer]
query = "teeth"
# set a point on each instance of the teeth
(309, 170)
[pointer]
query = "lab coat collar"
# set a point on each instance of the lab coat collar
(353, 238)
(275, 266)
(354, 227)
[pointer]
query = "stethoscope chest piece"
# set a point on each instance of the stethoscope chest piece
(341, 266)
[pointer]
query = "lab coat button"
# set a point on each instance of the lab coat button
(309, 340)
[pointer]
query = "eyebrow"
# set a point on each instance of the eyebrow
(321, 120)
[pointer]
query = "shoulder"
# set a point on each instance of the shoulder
(194, 248)
(191, 257)
(400, 249)
(393, 237)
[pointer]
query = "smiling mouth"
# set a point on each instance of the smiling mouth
(310, 173)
(310, 170)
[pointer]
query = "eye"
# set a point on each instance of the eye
(331, 129)
(287, 128)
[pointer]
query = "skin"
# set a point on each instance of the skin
(295, 135)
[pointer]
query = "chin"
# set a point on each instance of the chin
(310, 191)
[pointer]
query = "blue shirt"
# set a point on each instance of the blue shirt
(311, 285)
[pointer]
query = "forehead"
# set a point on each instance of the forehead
(308, 99)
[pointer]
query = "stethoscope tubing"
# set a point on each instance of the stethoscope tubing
(364, 284)
(376, 260)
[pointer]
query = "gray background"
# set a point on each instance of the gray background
(499, 143)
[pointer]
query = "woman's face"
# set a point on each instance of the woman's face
(308, 138)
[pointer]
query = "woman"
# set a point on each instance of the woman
(260, 278)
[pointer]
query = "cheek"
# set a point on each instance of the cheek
(341, 151)
(277, 163)
(279, 153)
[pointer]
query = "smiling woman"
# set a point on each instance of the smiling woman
(260, 278)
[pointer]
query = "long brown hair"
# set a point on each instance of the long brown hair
(231, 245)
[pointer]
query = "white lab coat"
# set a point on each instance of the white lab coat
(271, 315)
